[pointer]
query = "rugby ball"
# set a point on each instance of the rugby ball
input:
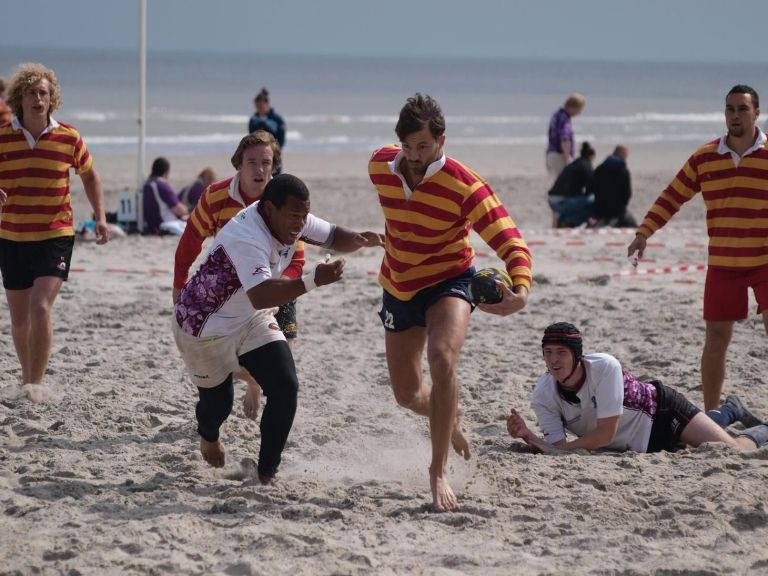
(483, 288)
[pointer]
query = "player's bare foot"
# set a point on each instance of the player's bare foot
(37, 392)
(443, 498)
(458, 440)
(213, 452)
(252, 400)
(267, 480)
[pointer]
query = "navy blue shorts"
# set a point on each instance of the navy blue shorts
(398, 315)
(21, 263)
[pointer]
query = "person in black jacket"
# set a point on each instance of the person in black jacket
(568, 197)
(612, 188)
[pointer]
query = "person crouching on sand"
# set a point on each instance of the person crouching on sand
(606, 407)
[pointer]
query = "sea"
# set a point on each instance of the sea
(199, 103)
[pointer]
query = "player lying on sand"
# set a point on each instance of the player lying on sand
(594, 398)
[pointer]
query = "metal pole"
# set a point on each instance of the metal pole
(142, 109)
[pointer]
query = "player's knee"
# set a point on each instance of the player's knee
(719, 333)
(40, 307)
(281, 387)
(442, 363)
(286, 391)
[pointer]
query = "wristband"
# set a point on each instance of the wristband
(309, 281)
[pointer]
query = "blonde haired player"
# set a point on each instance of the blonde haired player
(36, 221)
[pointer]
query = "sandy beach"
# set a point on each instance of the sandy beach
(107, 478)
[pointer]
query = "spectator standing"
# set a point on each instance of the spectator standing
(561, 143)
(265, 118)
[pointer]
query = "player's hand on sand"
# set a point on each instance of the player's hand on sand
(102, 232)
(636, 249)
(511, 301)
(329, 273)
(369, 239)
(516, 426)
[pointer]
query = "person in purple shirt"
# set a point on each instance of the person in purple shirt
(190, 195)
(561, 146)
(163, 213)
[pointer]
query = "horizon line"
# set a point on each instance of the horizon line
(382, 56)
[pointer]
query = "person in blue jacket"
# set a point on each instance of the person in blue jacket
(265, 118)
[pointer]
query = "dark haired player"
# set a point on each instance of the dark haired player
(224, 316)
(605, 406)
(430, 202)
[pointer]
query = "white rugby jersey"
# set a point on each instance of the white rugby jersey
(608, 391)
(243, 255)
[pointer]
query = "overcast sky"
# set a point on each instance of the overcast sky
(681, 30)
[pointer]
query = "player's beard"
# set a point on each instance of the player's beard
(417, 168)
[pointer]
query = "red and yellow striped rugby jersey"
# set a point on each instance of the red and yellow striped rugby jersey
(37, 182)
(427, 235)
(219, 203)
(736, 199)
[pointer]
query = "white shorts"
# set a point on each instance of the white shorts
(210, 360)
(555, 164)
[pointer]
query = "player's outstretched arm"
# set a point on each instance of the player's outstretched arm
(277, 291)
(346, 240)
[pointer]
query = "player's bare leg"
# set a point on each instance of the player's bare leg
(447, 323)
(718, 336)
(458, 440)
(18, 305)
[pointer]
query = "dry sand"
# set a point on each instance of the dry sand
(108, 479)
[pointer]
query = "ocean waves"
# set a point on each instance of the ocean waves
(103, 117)
(172, 131)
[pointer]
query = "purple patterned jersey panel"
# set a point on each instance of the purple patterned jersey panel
(207, 291)
(639, 395)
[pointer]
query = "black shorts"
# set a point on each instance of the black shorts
(398, 315)
(21, 263)
(673, 413)
(286, 319)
